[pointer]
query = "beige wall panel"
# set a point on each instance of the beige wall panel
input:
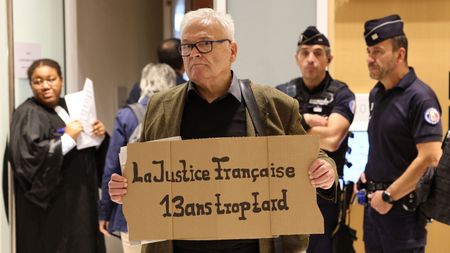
(116, 40)
(427, 26)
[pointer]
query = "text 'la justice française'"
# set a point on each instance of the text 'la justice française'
(191, 174)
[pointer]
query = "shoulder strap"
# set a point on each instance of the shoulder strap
(139, 110)
(335, 85)
(250, 103)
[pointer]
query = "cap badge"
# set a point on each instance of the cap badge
(374, 36)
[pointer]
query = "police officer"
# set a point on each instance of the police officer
(327, 107)
(405, 135)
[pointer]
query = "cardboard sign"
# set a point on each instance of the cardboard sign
(221, 188)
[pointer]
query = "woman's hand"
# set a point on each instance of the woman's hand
(73, 129)
(98, 128)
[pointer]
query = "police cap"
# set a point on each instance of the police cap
(378, 30)
(312, 36)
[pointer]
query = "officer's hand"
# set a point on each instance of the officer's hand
(314, 120)
(102, 225)
(98, 128)
(117, 188)
(363, 180)
(377, 203)
(73, 129)
(321, 174)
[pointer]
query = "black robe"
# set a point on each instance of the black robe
(56, 196)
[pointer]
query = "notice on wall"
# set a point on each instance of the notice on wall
(24, 55)
(221, 188)
(362, 113)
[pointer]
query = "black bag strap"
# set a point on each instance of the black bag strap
(250, 103)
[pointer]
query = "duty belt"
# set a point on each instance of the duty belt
(408, 202)
(372, 186)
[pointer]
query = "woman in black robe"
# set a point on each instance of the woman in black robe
(56, 185)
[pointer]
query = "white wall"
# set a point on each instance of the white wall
(267, 32)
(40, 22)
(4, 119)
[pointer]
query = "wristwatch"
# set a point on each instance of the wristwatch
(386, 196)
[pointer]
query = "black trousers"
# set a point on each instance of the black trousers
(321, 243)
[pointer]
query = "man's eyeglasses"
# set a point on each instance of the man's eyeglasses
(203, 46)
(40, 81)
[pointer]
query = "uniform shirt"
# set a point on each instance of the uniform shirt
(324, 101)
(400, 118)
(224, 117)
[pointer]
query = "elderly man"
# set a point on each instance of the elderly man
(405, 135)
(211, 104)
(327, 107)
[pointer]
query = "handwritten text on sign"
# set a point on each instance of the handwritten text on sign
(223, 188)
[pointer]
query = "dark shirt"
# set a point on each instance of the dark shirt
(224, 117)
(400, 118)
(323, 100)
(180, 79)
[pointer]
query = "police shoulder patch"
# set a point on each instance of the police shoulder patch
(352, 106)
(432, 116)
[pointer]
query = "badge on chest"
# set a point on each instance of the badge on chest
(318, 103)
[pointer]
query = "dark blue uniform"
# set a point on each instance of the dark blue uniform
(400, 118)
(329, 97)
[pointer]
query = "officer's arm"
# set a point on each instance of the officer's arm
(429, 154)
(332, 135)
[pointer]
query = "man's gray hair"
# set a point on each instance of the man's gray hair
(156, 77)
(207, 16)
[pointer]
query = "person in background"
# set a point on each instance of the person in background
(405, 134)
(155, 78)
(56, 185)
(169, 54)
(327, 107)
(211, 104)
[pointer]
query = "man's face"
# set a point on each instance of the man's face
(313, 62)
(46, 85)
(381, 59)
(211, 66)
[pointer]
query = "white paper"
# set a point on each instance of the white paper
(123, 157)
(81, 106)
(362, 113)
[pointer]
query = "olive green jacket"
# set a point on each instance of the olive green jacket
(280, 116)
